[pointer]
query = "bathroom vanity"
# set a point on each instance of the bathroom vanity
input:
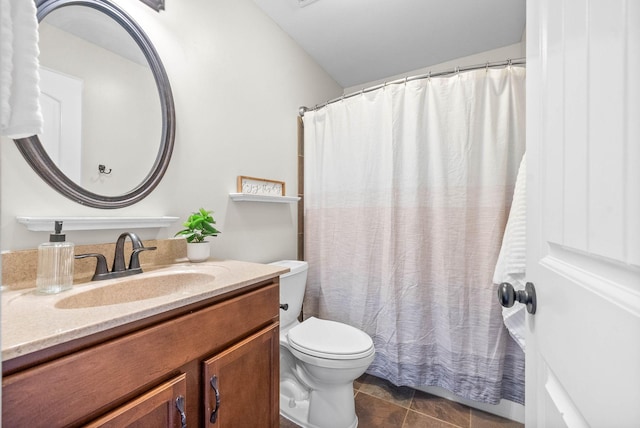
(204, 353)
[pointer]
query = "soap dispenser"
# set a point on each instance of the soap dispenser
(55, 263)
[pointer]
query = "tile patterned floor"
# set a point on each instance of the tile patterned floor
(379, 404)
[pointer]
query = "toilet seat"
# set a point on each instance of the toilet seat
(330, 340)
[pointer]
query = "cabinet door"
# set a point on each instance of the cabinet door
(161, 407)
(241, 384)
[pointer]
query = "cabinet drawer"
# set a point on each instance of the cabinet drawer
(84, 385)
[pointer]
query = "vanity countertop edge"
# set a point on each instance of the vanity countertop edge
(32, 322)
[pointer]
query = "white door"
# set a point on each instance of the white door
(61, 103)
(583, 183)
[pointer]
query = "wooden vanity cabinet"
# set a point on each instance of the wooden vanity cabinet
(137, 378)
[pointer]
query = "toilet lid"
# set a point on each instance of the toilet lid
(330, 339)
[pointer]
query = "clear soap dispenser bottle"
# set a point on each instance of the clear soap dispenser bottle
(55, 263)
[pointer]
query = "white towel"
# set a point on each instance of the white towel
(512, 261)
(20, 114)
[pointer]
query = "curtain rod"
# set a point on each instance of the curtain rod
(509, 62)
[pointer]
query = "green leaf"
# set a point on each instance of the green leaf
(198, 226)
(209, 228)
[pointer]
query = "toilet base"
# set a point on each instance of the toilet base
(299, 413)
(316, 392)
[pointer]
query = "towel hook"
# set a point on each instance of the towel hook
(103, 169)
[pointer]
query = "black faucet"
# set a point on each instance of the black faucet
(118, 269)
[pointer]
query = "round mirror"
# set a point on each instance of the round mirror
(109, 117)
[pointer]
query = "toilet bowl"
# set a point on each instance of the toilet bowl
(319, 360)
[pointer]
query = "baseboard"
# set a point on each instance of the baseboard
(506, 409)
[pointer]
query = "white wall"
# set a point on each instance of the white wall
(238, 81)
(517, 50)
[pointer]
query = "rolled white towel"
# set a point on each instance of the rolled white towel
(6, 62)
(20, 114)
(512, 260)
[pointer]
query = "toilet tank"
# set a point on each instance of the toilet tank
(292, 286)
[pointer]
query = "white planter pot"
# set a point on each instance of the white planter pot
(198, 251)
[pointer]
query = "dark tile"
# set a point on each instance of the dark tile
(400, 395)
(381, 404)
(441, 408)
(358, 382)
(286, 423)
(373, 412)
(480, 419)
(418, 420)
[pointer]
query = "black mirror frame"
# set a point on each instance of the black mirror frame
(33, 151)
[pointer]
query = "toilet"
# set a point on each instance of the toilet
(319, 360)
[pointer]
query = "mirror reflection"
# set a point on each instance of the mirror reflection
(100, 101)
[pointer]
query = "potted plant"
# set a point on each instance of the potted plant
(198, 226)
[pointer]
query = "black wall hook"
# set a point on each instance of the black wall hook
(103, 169)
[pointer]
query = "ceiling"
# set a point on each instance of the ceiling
(359, 41)
(97, 28)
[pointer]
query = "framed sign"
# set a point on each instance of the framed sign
(260, 186)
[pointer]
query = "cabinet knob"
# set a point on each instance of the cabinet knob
(214, 385)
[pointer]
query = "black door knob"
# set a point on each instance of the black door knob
(507, 296)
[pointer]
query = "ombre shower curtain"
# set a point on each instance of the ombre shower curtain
(407, 193)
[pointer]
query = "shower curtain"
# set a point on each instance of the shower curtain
(407, 193)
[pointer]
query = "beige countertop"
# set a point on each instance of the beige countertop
(32, 322)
